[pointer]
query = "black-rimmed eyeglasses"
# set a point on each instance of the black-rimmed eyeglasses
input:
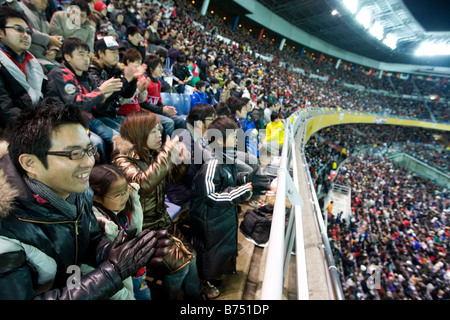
(75, 154)
(19, 29)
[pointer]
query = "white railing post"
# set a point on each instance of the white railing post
(272, 286)
(281, 240)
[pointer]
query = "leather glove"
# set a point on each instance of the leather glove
(130, 255)
(162, 246)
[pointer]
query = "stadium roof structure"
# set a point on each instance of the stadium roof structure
(413, 22)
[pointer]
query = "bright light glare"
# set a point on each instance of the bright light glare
(364, 17)
(433, 49)
(352, 5)
(334, 12)
(390, 41)
(377, 30)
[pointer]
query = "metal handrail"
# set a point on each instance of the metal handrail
(281, 240)
(272, 287)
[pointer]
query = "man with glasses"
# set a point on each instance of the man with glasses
(47, 226)
(21, 75)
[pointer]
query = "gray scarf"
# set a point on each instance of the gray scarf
(67, 207)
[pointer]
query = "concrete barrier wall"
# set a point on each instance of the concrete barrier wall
(421, 169)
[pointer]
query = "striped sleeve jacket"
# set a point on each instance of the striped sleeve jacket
(218, 184)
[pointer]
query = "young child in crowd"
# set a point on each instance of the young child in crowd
(239, 111)
(199, 95)
(117, 207)
(133, 59)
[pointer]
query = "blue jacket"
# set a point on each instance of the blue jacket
(198, 97)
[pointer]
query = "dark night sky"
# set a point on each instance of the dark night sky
(433, 15)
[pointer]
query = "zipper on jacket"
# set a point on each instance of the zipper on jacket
(75, 222)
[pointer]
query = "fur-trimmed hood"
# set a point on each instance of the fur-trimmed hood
(122, 146)
(8, 193)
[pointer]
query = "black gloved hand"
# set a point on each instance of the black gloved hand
(162, 246)
(130, 255)
(260, 183)
(130, 234)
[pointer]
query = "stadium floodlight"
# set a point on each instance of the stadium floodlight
(364, 17)
(428, 48)
(377, 30)
(391, 41)
(352, 5)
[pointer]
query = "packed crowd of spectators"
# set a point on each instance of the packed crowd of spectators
(330, 146)
(178, 27)
(395, 244)
(327, 148)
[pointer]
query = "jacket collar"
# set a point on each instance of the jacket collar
(13, 55)
(83, 76)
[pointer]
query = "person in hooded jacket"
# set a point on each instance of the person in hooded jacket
(117, 21)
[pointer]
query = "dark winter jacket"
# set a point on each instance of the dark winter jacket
(110, 107)
(181, 73)
(72, 89)
(38, 243)
(15, 88)
(216, 192)
(121, 29)
(180, 193)
(126, 44)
